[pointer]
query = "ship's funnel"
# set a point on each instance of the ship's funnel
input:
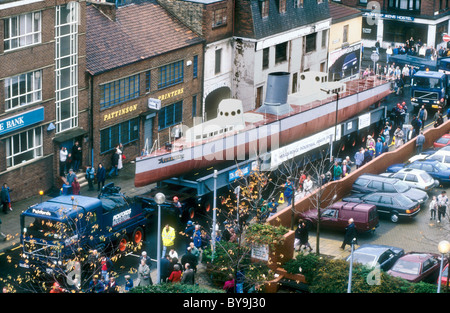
(276, 94)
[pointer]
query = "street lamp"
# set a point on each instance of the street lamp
(160, 198)
(349, 287)
(214, 216)
(444, 248)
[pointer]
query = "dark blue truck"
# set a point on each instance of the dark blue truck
(67, 227)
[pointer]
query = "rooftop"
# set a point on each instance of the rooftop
(134, 35)
(340, 12)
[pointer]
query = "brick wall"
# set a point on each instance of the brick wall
(342, 187)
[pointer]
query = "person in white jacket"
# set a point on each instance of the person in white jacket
(308, 185)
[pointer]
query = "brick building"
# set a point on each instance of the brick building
(392, 22)
(43, 96)
(145, 76)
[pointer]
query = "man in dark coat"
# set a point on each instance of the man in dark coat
(188, 277)
(76, 156)
(114, 164)
(350, 234)
(188, 257)
(101, 176)
(165, 268)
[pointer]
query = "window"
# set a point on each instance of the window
(194, 105)
(23, 89)
(170, 115)
(22, 30)
(24, 147)
(171, 74)
(148, 81)
(324, 38)
(219, 17)
(282, 6)
(310, 42)
(218, 61)
(404, 4)
(345, 34)
(66, 66)
(124, 133)
(281, 52)
(119, 91)
(195, 67)
(265, 60)
(298, 3)
(264, 8)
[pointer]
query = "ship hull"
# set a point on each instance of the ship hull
(257, 140)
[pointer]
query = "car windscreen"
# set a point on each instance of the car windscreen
(426, 82)
(401, 186)
(47, 229)
(406, 267)
(441, 167)
(443, 140)
(364, 259)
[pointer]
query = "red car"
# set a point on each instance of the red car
(417, 266)
(442, 142)
(336, 216)
(444, 276)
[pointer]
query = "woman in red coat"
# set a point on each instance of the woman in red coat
(75, 187)
(175, 276)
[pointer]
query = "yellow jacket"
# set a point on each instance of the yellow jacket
(168, 236)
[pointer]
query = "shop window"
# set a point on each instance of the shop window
(170, 115)
(124, 133)
(23, 147)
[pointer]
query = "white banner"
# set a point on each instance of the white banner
(302, 146)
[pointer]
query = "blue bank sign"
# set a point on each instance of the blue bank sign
(21, 120)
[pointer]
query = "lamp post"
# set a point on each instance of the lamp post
(214, 216)
(349, 287)
(159, 198)
(444, 248)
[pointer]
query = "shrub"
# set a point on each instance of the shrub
(173, 288)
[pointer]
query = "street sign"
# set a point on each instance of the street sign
(446, 38)
(374, 57)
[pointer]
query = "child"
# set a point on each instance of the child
(433, 207)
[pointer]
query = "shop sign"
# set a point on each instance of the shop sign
(171, 94)
(120, 112)
(21, 120)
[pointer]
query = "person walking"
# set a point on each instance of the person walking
(442, 202)
(101, 176)
(308, 185)
(62, 161)
(337, 171)
(168, 237)
(420, 141)
(143, 272)
(350, 234)
(423, 115)
(114, 164)
(359, 158)
(6, 198)
(398, 135)
(90, 175)
(288, 191)
(301, 240)
(433, 206)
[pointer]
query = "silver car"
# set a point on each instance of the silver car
(415, 178)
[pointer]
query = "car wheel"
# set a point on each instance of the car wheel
(394, 217)
(122, 244)
(138, 235)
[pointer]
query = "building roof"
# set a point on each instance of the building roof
(139, 31)
(250, 23)
(340, 12)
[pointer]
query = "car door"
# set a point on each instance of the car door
(386, 260)
(386, 204)
(429, 268)
(374, 186)
(411, 179)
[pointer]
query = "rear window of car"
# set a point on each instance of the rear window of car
(405, 267)
(426, 178)
(403, 200)
(443, 140)
(364, 259)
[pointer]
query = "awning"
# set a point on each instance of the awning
(69, 134)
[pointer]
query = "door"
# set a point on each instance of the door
(148, 132)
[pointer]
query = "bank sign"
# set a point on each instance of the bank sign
(21, 120)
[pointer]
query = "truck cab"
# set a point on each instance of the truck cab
(67, 227)
(429, 88)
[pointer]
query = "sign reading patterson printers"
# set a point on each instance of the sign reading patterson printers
(120, 112)
(21, 120)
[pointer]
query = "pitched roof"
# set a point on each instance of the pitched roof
(249, 22)
(141, 30)
(340, 12)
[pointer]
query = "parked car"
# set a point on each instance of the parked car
(436, 169)
(442, 156)
(442, 142)
(444, 276)
(415, 178)
(368, 183)
(336, 216)
(372, 255)
(416, 267)
(394, 205)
